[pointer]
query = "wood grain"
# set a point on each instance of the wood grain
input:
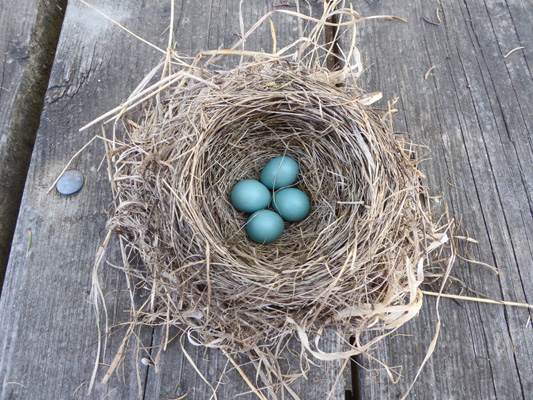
(474, 115)
(29, 34)
(47, 328)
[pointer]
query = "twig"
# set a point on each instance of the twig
(430, 22)
(330, 394)
(122, 27)
(78, 388)
(14, 383)
(428, 71)
(513, 50)
(171, 27)
(479, 300)
(448, 182)
(112, 390)
(138, 98)
(166, 29)
(274, 40)
(243, 375)
(181, 397)
(189, 358)
(29, 241)
(68, 164)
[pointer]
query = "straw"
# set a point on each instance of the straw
(354, 264)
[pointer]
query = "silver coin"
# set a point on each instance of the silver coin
(70, 182)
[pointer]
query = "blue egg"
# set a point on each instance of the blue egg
(280, 172)
(292, 204)
(250, 196)
(264, 226)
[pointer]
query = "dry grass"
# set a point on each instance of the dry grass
(354, 264)
(359, 247)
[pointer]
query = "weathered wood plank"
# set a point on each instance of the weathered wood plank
(29, 34)
(177, 378)
(473, 113)
(47, 328)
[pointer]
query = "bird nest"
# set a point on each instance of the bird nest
(354, 264)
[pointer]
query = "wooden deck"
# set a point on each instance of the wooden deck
(473, 111)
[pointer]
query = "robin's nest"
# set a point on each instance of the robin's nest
(354, 264)
(351, 263)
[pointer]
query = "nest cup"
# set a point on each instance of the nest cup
(354, 263)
